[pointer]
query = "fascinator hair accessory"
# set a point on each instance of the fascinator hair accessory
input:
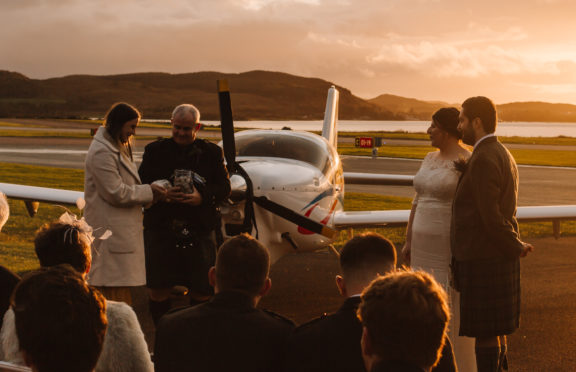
(79, 226)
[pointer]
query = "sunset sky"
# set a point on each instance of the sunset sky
(509, 50)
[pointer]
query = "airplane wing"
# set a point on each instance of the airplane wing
(377, 179)
(343, 220)
(367, 219)
(43, 194)
(546, 213)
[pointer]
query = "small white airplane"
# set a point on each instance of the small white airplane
(288, 187)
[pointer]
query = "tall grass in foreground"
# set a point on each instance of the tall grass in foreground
(17, 236)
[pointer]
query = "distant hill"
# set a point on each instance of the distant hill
(537, 111)
(413, 109)
(409, 108)
(256, 95)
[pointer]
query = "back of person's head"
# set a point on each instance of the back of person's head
(404, 315)
(60, 320)
(4, 210)
(119, 114)
(447, 119)
(242, 264)
(482, 108)
(186, 111)
(365, 256)
(63, 243)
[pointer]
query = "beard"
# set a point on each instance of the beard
(468, 136)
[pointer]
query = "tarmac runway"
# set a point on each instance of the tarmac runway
(303, 288)
(303, 284)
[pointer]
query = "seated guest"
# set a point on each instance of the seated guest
(404, 319)
(332, 342)
(125, 349)
(60, 320)
(228, 333)
(8, 279)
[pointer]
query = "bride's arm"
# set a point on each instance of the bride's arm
(406, 250)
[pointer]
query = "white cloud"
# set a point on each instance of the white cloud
(369, 46)
(257, 5)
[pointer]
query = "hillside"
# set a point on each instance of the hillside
(409, 108)
(255, 95)
(537, 111)
(413, 109)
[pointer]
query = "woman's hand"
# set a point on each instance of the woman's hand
(406, 253)
(158, 193)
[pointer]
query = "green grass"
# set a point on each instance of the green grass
(16, 238)
(557, 141)
(559, 158)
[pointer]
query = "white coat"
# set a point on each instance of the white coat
(124, 348)
(114, 198)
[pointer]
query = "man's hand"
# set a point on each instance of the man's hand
(175, 195)
(527, 249)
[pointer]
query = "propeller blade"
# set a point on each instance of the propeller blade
(227, 124)
(298, 219)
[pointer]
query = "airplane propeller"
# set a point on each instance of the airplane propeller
(235, 169)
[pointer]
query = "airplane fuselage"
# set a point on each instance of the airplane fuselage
(298, 170)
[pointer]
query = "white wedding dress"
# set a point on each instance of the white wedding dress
(435, 185)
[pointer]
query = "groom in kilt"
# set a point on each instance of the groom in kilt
(485, 241)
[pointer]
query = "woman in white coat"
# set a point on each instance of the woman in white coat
(114, 199)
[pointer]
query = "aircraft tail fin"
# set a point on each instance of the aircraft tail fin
(330, 127)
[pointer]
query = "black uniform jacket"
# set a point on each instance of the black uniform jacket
(332, 343)
(159, 161)
(225, 334)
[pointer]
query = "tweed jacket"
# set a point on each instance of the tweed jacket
(484, 226)
(114, 199)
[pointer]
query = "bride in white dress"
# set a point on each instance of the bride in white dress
(428, 233)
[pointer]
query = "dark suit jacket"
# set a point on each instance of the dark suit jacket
(159, 161)
(332, 343)
(395, 366)
(8, 281)
(484, 225)
(225, 334)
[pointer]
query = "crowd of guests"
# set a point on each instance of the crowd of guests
(57, 322)
(452, 310)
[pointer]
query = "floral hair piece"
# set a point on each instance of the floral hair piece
(80, 226)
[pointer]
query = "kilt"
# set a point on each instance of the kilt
(489, 297)
(176, 258)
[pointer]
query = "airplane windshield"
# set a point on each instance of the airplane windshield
(282, 146)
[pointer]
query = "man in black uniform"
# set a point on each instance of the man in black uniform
(179, 234)
(228, 333)
(332, 343)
